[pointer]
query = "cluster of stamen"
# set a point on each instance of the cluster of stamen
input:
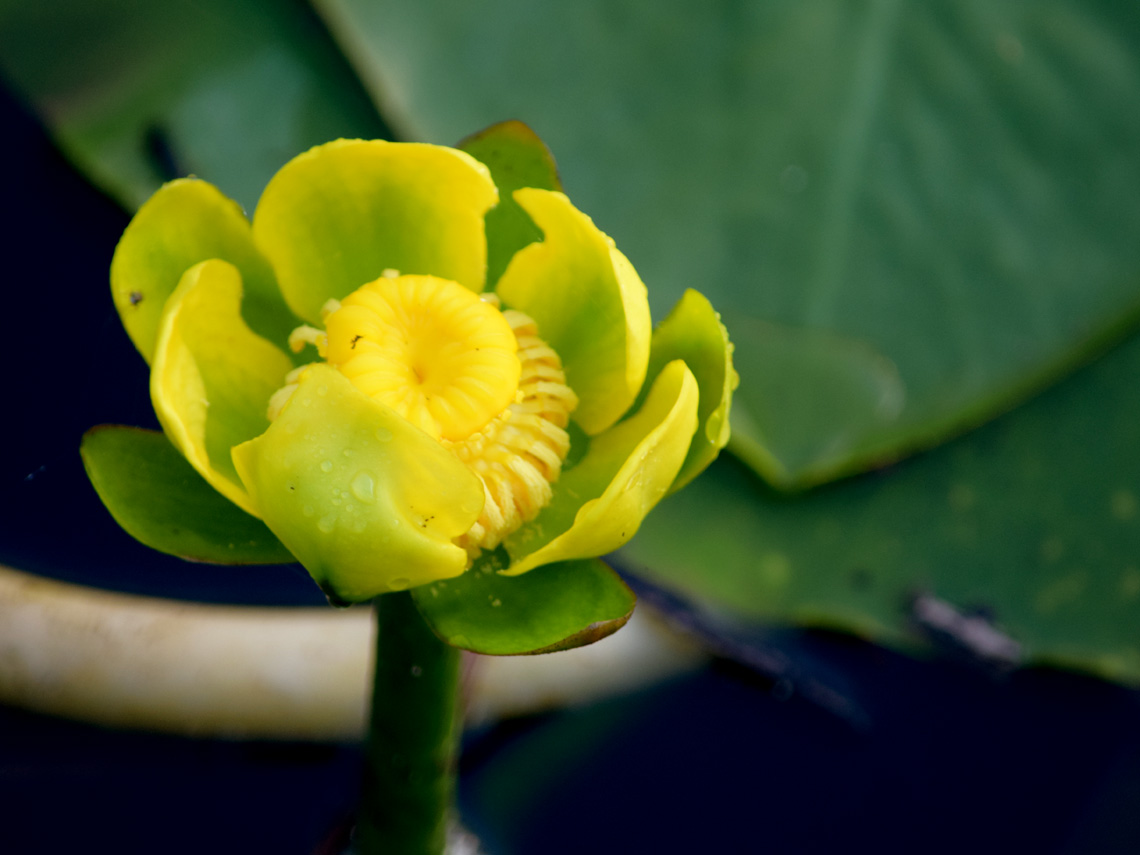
(477, 378)
(519, 454)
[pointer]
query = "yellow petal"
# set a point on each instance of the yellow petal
(212, 376)
(589, 303)
(340, 214)
(183, 223)
(693, 332)
(626, 472)
(365, 500)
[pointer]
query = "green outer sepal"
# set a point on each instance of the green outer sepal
(555, 607)
(517, 157)
(158, 499)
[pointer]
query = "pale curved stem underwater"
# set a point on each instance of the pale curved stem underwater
(146, 663)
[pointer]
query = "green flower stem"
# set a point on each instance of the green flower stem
(409, 776)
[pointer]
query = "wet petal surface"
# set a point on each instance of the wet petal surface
(367, 502)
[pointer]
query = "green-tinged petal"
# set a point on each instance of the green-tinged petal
(212, 376)
(693, 332)
(561, 606)
(158, 498)
(517, 157)
(367, 502)
(184, 222)
(589, 303)
(340, 214)
(599, 503)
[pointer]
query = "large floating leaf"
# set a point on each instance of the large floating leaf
(139, 92)
(160, 500)
(1031, 524)
(953, 183)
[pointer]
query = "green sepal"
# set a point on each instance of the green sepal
(517, 157)
(160, 501)
(556, 607)
(693, 332)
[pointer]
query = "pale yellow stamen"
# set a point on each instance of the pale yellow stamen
(308, 335)
(478, 379)
(519, 455)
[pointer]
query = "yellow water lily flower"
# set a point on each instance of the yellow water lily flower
(339, 368)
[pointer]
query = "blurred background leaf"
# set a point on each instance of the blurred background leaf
(137, 93)
(953, 184)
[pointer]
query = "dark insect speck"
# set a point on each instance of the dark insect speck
(136, 297)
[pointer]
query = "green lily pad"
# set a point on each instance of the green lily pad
(137, 93)
(953, 184)
(155, 495)
(1029, 526)
(810, 397)
(517, 158)
(555, 607)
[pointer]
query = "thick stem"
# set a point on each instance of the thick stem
(409, 775)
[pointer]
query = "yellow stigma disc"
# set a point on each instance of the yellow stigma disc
(429, 349)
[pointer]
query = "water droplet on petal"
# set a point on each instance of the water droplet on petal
(383, 434)
(363, 487)
(322, 390)
(326, 466)
(400, 584)
(327, 523)
(308, 510)
(495, 603)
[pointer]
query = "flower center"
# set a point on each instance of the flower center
(478, 379)
(428, 348)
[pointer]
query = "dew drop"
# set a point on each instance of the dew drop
(327, 523)
(495, 603)
(383, 434)
(400, 584)
(308, 510)
(326, 466)
(322, 390)
(363, 487)
(417, 670)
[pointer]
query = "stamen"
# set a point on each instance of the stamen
(519, 455)
(308, 335)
